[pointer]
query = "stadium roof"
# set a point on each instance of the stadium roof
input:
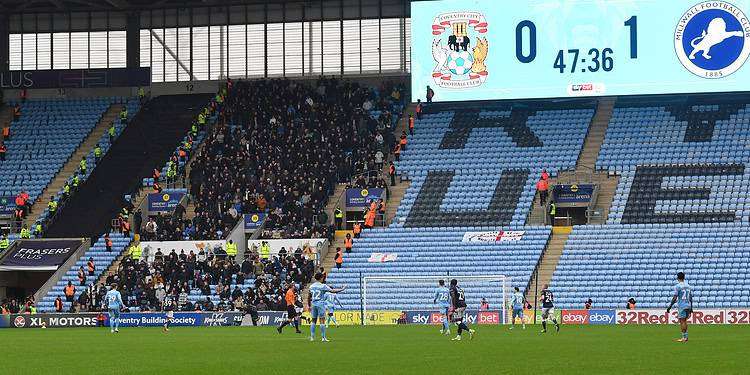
(51, 6)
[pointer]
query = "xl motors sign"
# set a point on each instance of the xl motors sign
(699, 316)
(39, 255)
(48, 320)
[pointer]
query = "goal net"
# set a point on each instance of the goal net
(415, 295)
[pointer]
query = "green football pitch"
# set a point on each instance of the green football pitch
(376, 350)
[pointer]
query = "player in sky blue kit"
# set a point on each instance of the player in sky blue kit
(331, 301)
(683, 296)
(317, 302)
(443, 300)
(517, 302)
(114, 305)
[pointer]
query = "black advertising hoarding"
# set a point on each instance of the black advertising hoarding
(39, 255)
(75, 78)
(48, 320)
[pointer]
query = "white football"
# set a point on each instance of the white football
(459, 62)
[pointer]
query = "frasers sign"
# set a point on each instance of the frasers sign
(39, 255)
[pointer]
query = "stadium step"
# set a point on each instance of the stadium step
(334, 200)
(548, 264)
(147, 142)
(72, 165)
(396, 195)
(595, 136)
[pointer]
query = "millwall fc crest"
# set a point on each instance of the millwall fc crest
(712, 39)
(459, 50)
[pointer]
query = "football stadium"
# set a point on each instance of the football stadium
(374, 186)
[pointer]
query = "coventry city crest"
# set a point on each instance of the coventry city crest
(459, 50)
(712, 39)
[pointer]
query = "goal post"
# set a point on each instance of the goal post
(416, 293)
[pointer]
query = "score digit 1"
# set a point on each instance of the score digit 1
(632, 23)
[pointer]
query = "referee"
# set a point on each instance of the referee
(291, 310)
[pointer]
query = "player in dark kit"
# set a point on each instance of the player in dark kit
(548, 308)
(169, 307)
(458, 302)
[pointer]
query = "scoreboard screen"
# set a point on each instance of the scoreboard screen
(489, 49)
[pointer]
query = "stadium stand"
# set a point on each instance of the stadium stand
(147, 142)
(472, 168)
(102, 260)
(513, 143)
(680, 206)
(133, 106)
(426, 251)
(613, 263)
(295, 170)
(43, 138)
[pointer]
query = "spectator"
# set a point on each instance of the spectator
(70, 292)
(430, 94)
(81, 276)
(631, 304)
(3, 151)
(91, 266)
(545, 175)
(588, 304)
(108, 244)
(58, 304)
(484, 305)
(541, 187)
(339, 258)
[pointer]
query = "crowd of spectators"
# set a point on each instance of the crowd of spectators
(14, 306)
(146, 284)
(284, 148)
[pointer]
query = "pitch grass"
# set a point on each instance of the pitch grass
(375, 350)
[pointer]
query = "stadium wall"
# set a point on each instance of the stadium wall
(194, 87)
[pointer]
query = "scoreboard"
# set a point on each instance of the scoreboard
(489, 49)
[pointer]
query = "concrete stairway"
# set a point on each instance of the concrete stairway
(72, 164)
(585, 171)
(548, 264)
(595, 136)
(397, 194)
